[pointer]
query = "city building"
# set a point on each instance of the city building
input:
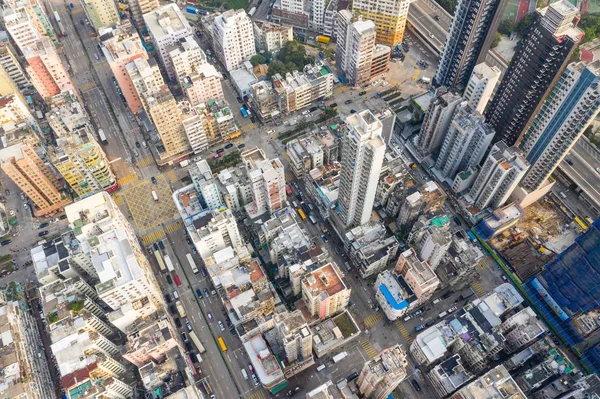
(267, 179)
(572, 105)
(150, 340)
(15, 114)
(235, 188)
(470, 36)
(389, 17)
(381, 375)
(362, 157)
(264, 100)
(465, 143)
(121, 45)
(140, 7)
(27, 23)
(186, 56)
(165, 114)
(480, 86)
(266, 366)
(215, 232)
(207, 123)
(27, 170)
(418, 275)
(332, 333)
(449, 375)
(166, 26)
(23, 372)
(322, 185)
(437, 119)
(295, 13)
(324, 292)
(271, 37)
(431, 239)
(500, 174)
(233, 38)
(46, 70)
(206, 186)
(145, 77)
(300, 89)
(538, 63)
(304, 154)
(12, 69)
(499, 221)
(203, 85)
(395, 299)
(295, 336)
(369, 248)
(355, 47)
(101, 13)
(495, 383)
(193, 121)
(521, 330)
(428, 198)
(329, 390)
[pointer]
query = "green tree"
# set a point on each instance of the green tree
(523, 24)
(507, 26)
(276, 67)
(257, 59)
(496, 40)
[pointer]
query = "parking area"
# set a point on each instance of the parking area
(147, 212)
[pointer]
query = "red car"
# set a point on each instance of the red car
(218, 156)
(177, 280)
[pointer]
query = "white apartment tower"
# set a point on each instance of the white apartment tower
(355, 47)
(145, 77)
(481, 86)
(267, 179)
(566, 113)
(101, 12)
(465, 143)
(167, 26)
(437, 120)
(233, 38)
(500, 174)
(362, 157)
(186, 56)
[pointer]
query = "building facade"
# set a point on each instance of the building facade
(481, 85)
(101, 12)
(381, 375)
(389, 17)
(437, 120)
(233, 38)
(324, 292)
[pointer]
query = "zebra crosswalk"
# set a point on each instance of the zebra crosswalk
(174, 226)
(373, 319)
(123, 181)
(87, 86)
(154, 236)
(257, 395)
(368, 348)
(478, 288)
(484, 263)
(400, 326)
(146, 161)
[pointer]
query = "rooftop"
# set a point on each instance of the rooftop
(265, 365)
(495, 384)
(324, 281)
(166, 21)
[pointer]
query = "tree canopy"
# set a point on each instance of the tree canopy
(291, 57)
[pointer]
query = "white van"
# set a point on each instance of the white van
(441, 315)
(245, 374)
(175, 294)
(321, 367)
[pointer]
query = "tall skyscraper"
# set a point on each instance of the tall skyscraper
(389, 17)
(471, 34)
(233, 38)
(541, 57)
(501, 172)
(437, 120)
(464, 144)
(362, 156)
(566, 113)
(481, 86)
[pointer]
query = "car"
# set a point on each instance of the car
(332, 105)
(324, 238)
(177, 280)
(255, 379)
(206, 293)
(228, 146)
(241, 145)
(5, 242)
(137, 144)
(188, 346)
(352, 111)
(169, 279)
(313, 109)
(417, 313)
(184, 336)
(188, 325)
(168, 298)
(250, 367)
(11, 212)
(43, 225)
(87, 21)
(24, 204)
(239, 100)
(597, 170)
(178, 322)
(452, 309)
(430, 323)
(221, 326)
(198, 33)
(252, 119)
(504, 278)
(189, 242)
(209, 315)
(348, 102)
(419, 327)
(153, 180)
(155, 246)
(43, 233)
(213, 293)
(199, 293)
(415, 385)
(362, 93)
(173, 309)
(220, 150)
(22, 196)
(407, 318)
(569, 161)
(62, 217)
(306, 112)
(271, 131)
(194, 251)
(457, 221)
(438, 300)
(161, 245)
(217, 156)
(81, 22)
(436, 17)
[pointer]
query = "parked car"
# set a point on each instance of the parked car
(333, 105)
(169, 279)
(173, 310)
(324, 238)
(188, 325)
(168, 298)
(352, 111)
(452, 309)
(348, 102)
(43, 233)
(228, 146)
(153, 180)
(220, 150)
(199, 293)
(418, 312)
(5, 242)
(415, 385)
(241, 145)
(206, 294)
(210, 317)
(178, 322)
(44, 225)
(62, 217)
(161, 245)
(177, 280)
(221, 326)
(362, 93)
(419, 327)
(137, 144)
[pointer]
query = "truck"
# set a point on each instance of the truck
(155, 196)
(323, 39)
(192, 263)
(339, 357)
(252, 11)
(169, 263)
(191, 10)
(180, 309)
(102, 136)
(244, 112)
(425, 80)
(197, 342)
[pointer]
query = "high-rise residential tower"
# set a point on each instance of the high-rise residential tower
(389, 17)
(233, 38)
(437, 120)
(481, 86)
(469, 39)
(566, 113)
(534, 70)
(362, 156)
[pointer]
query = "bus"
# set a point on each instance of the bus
(301, 213)
(102, 136)
(192, 263)
(584, 227)
(197, 342)
(222, 344)
(169, 263)
(159, 259)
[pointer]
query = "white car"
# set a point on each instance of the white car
(221, 326)
(271, 131)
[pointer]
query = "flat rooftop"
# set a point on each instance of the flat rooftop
(324, 279)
